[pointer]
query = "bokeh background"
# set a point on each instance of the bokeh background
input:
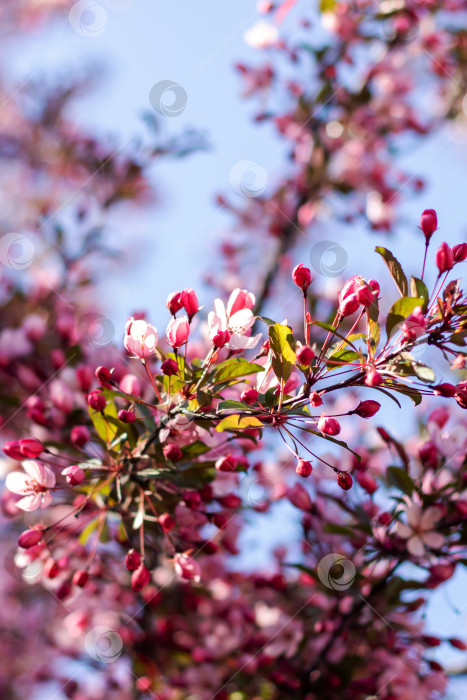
(174, 244)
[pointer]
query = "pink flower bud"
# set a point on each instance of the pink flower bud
(365, 295)
(374, 285)
(344, 480)
(220, 338)
(74, 475)
(305, 355)
(132, 560)
(366, 482)
(178, 331)
(457, 643)
(367, 409)
(428, 223)
(84, 377)
(299, 497)
(57, 358)
(29, 538)
(187, 568)
(428, 455)
(31, 448)
(348, 305)
(315, 399)
(174, 302)
(190, 302)
(80, 435)
(126, 416)
(226, 464)
(140, 578)
(172, 452)
(461, 394)
(446, 390)
(80, 578)
(373, 378)
(103, 374)
(459, 252)
(166, 522)
(169, 367)
(249, 396)
(51, 569)
(12, 449)
(97, 400)
(301, 275)
(303, 468)
(329, 426)
(444, 258)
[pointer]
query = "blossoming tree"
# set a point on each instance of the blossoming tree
(134, 470)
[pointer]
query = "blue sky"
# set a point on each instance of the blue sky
(196, 46)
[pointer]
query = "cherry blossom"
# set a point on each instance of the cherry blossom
(34, 486)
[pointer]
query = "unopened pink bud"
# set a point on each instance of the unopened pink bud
(315, 399)
(344, 480)
(444, 258)
(103, 374)
(459, 252)
(174, 302)
(80, 578)
(348, 305)
(190, 302)
(31, 448)
(51, 569)
(29, 538)
(132, 560)
(220, 338)
(301, 275)
(74, 475)
(366, 482)
(446, 390)
(365, 295)
(305, 355)
(329, 426)
(140, 578)
(367, 409)
(169, 367)
(12, 449)
(80, 435)
(172, 452)
(166, 522)
(303, 468)
(97, 400)
(226, 464)
(249, 396)
(126, 416)
(373, 378)
(178, 331)
(374, 285)
(428, 223)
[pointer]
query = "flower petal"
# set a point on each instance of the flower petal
(17, 482)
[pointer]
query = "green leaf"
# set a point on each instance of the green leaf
(424, 373)
(334, 331)
(409, 391)
(236, 422)
(282, 344)
(418, 289)
(400, 310)
(236, 405)
(332, 529)
(195, 449)
(232, 369)
(87, 532)
(105, 427)
(266, 320)
(400, 479)
(327, 5)
(395, 268)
